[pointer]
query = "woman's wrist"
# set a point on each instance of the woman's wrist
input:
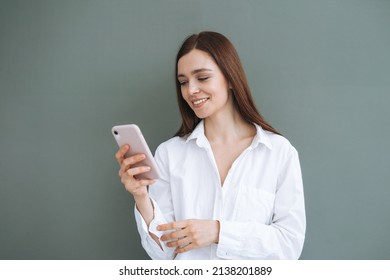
(145, 207)
(218, 227)
(141, 197)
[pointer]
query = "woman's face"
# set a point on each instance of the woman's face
(203, 86)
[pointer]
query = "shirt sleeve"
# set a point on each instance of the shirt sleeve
(160, 194)
(284, 237)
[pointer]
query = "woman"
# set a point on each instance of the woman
(231, 186)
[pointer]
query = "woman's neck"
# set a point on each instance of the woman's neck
(227, 128)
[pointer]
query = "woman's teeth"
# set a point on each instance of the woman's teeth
(197, 102)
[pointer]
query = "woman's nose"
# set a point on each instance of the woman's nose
(193, 88)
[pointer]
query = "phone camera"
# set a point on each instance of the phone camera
(116, 132)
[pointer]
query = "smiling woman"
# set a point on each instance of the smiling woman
(230, 185)
(202, 84)
(220, 52)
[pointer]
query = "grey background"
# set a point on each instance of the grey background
(70, 70)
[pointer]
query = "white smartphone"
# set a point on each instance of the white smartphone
(131, 134)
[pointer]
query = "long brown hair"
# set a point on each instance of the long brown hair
(227, 59)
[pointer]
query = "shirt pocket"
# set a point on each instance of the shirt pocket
(254, 205)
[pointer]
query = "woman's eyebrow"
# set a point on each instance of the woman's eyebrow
(196, 71)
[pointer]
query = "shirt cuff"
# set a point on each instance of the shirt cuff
(231, 239)
(158, 219)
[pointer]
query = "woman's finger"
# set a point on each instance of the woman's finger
(120, 154)
(146, 182)
(137, 170)
(126, 163)
(180, 242)
(133, 159)
(173, 225)
(184, 249)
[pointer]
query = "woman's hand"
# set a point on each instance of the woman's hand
(138, 188)
(190, 234)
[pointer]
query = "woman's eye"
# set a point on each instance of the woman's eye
(182, 83)
(203, 78)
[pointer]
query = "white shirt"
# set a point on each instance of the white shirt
(260, 205)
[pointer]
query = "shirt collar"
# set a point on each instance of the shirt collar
(201, 140)
(198, 135)
(261, 138)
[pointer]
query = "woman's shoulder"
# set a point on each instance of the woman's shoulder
(171, 150)
(279, 142)
(172, 143)
(277, 139)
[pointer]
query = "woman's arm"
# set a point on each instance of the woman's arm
(154, 209)
(139, 189)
